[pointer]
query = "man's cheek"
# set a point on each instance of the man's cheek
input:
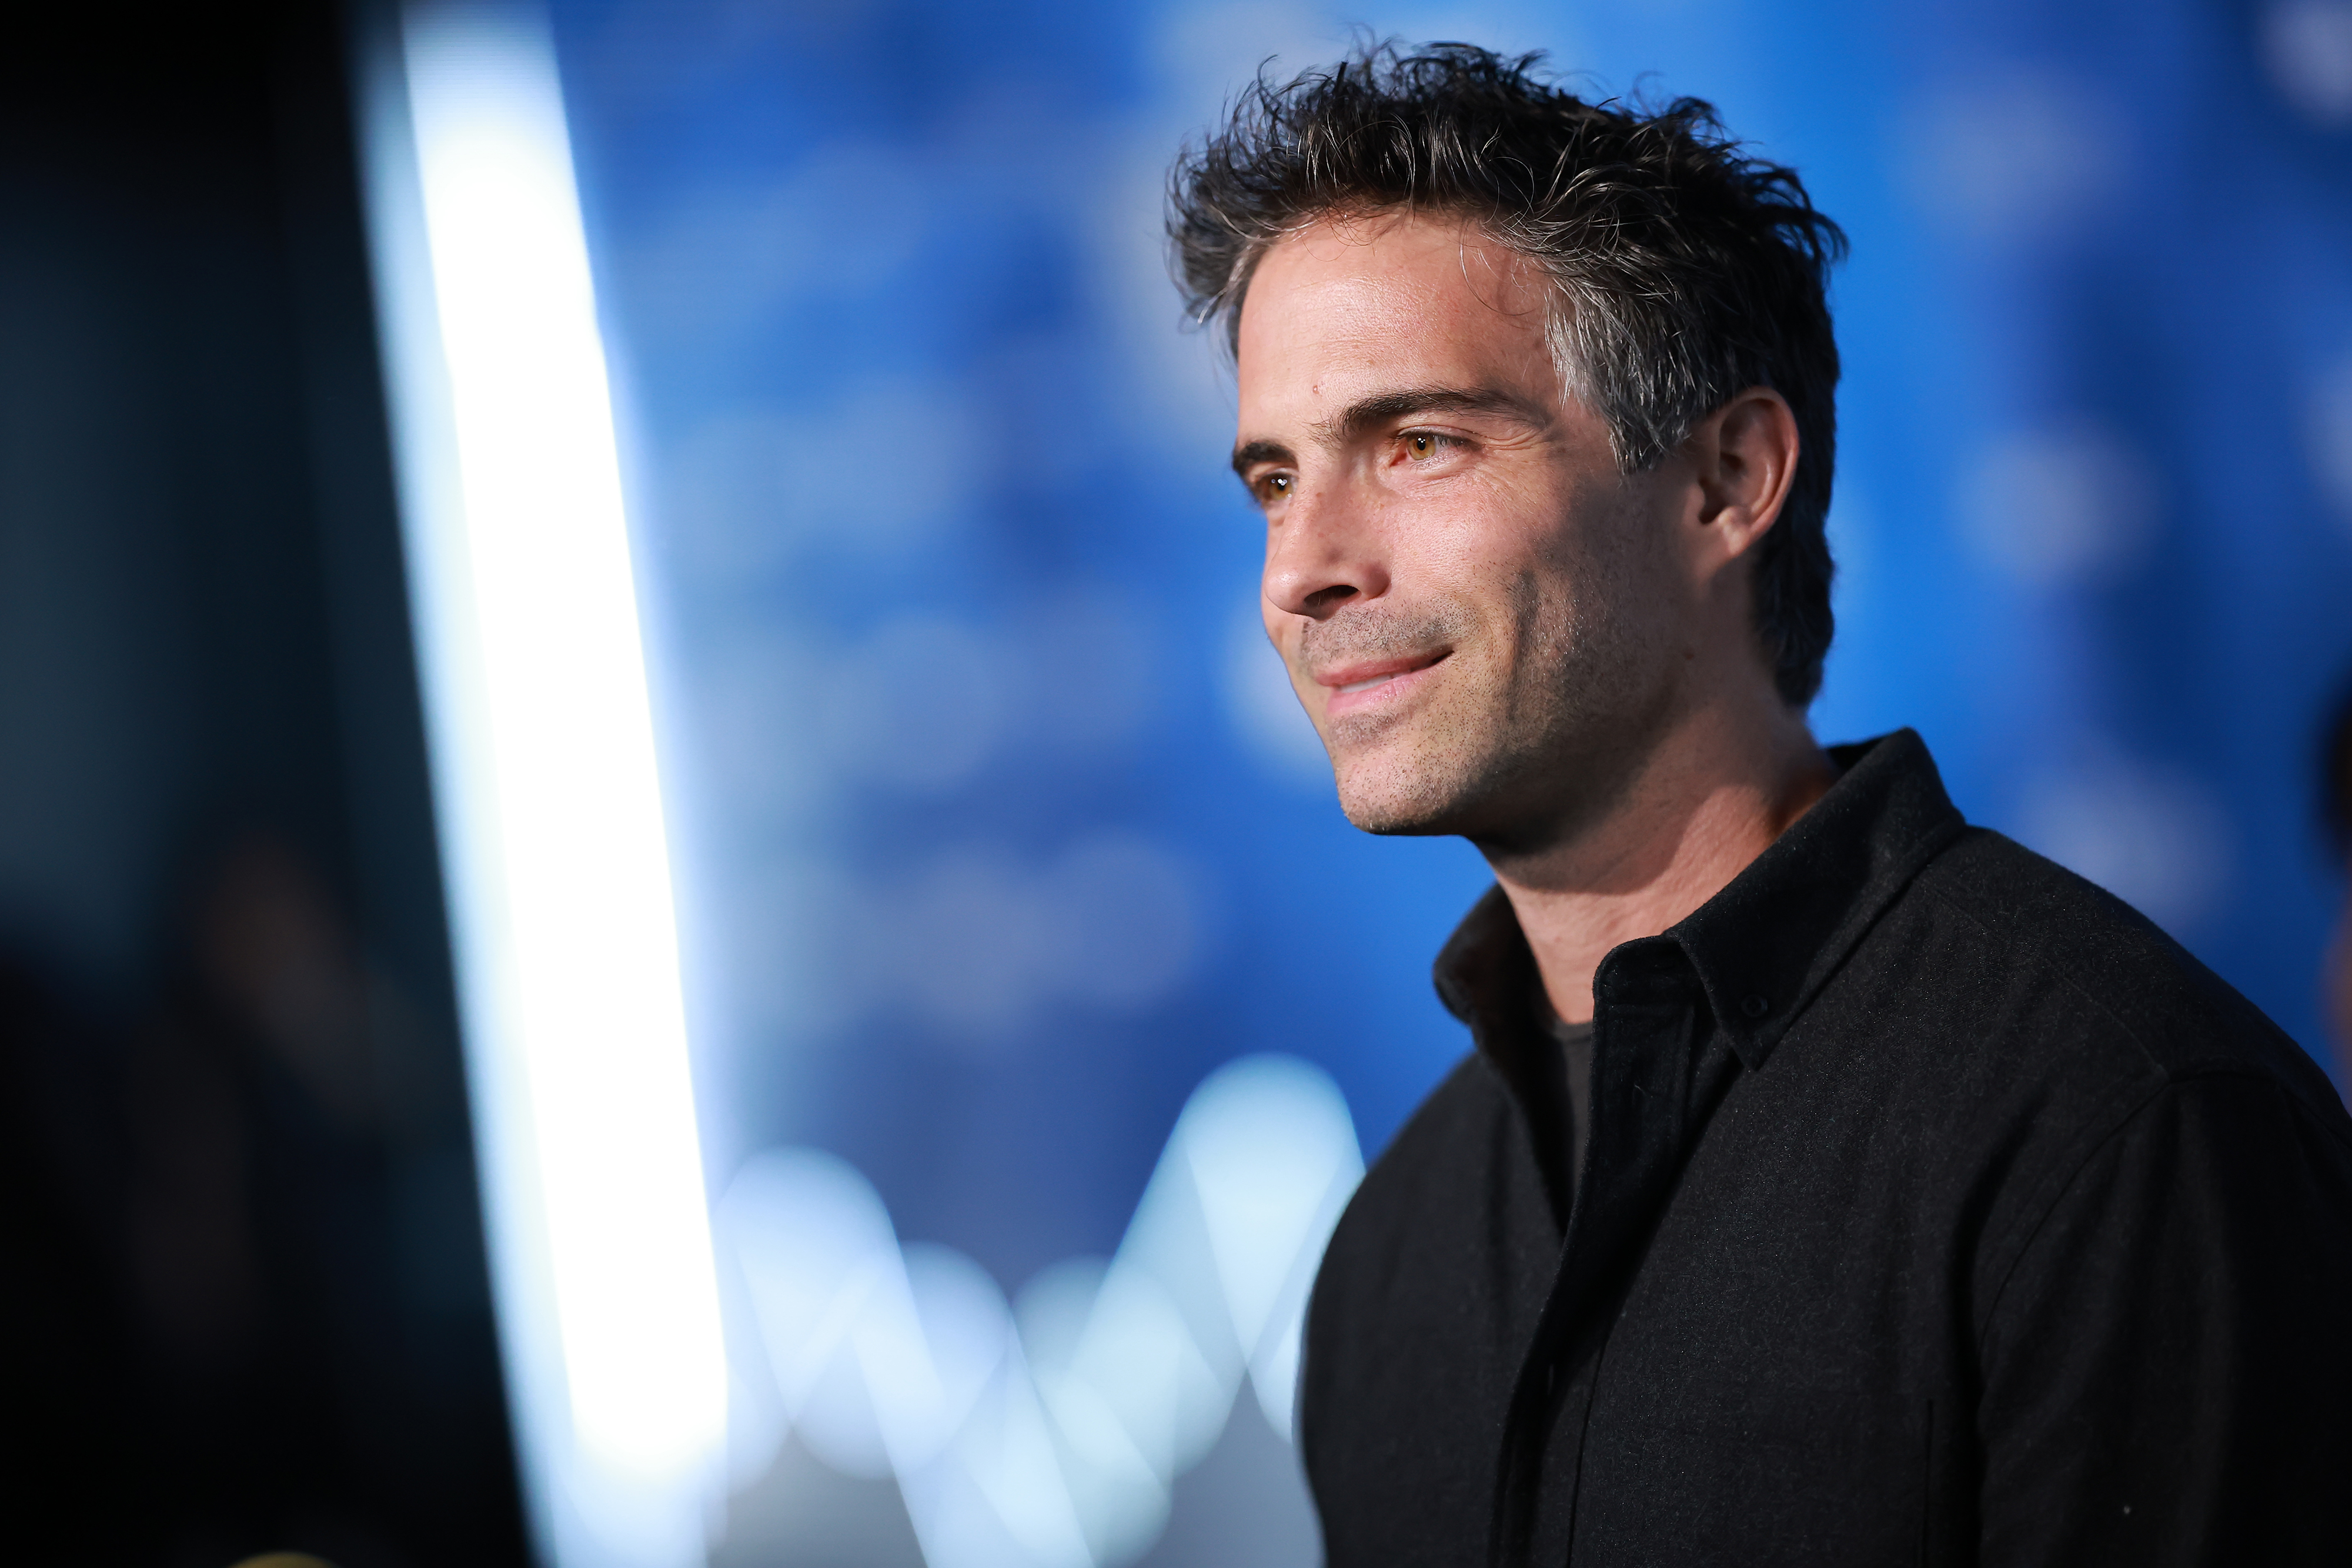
(1311, 697)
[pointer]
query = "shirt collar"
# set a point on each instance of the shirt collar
(1486, 974)
(1763, 947)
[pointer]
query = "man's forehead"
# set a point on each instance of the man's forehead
(1353, 305)
(1372, 244)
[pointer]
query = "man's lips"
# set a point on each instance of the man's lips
(1365, 683)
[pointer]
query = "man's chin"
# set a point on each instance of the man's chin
(1399, 807)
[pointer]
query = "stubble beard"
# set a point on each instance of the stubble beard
(1529, 746)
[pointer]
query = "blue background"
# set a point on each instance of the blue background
(952, 600)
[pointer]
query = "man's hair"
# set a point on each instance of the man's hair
(1683, 273)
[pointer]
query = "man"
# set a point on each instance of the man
(1831, 1182)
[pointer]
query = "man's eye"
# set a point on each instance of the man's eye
(1274, 486)
(1426, 442)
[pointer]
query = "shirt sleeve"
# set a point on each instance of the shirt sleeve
(2167, 1368)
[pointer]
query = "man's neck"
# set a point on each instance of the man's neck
(1709, 799)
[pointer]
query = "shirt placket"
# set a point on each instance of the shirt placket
(1658, 1066)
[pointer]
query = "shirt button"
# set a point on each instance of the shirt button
(1755, 1006)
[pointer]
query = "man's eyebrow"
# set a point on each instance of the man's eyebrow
(1250, 454)
(1366, 414)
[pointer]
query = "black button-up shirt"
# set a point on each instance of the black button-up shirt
(1937, 1209)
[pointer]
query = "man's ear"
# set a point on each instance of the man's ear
(1743, 456)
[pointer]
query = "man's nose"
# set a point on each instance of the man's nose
(1323, 552)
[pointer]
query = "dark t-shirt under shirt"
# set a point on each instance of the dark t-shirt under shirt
(1575, 1042)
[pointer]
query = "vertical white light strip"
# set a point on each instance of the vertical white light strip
(545, 783)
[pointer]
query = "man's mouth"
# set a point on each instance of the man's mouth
(1358, 685)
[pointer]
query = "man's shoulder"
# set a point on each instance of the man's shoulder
(2078, 981)
(1463, 1152)
(1468, 1119)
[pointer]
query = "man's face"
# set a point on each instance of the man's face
(1483, 617)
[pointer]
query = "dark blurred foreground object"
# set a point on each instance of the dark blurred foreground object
(241, 1277)
(2335, 805)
